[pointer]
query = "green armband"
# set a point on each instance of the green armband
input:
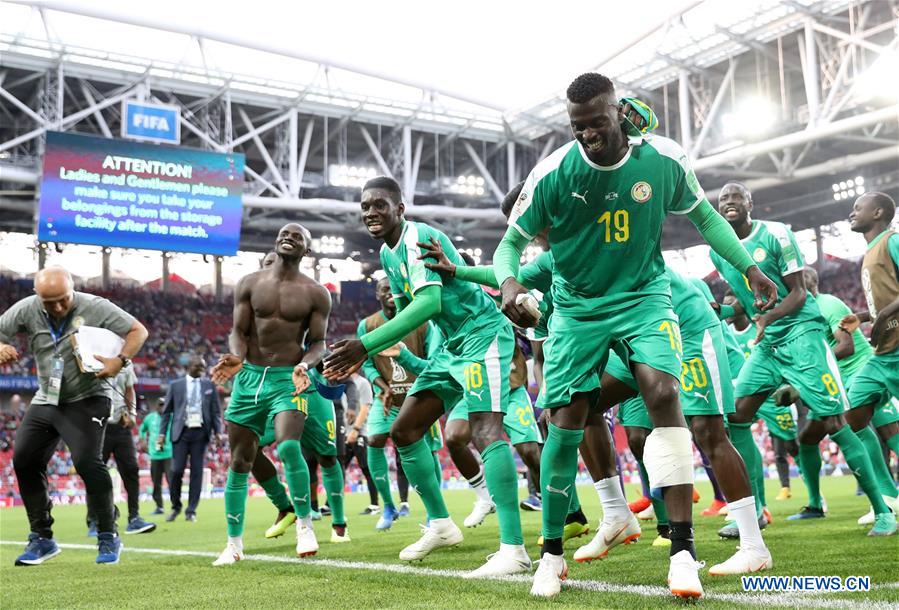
(507, 258)
(725, 312)
(720, 236)
(425, 305)
(481, 274)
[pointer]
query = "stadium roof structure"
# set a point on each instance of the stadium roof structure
(794, 97)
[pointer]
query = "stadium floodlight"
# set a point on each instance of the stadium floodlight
(353, 176)
(752, 116)
(328, 244)
(474, 253)
(472, 186)
(879, 81)
(846, 189)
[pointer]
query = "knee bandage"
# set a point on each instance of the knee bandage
(668, 457)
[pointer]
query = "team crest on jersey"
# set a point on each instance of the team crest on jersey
(750, 344)
(641, 192)
(759, 255)
(403, 271)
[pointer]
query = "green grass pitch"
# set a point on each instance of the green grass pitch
(631, 577)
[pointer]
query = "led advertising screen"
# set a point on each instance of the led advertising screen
(111, 192)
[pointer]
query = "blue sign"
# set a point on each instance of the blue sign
(151, 122)
(16, 383)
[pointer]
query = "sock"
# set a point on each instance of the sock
(760, 485)
(893, 443)
(377, 464)
(438, 470)
(879, 467)
(743, 512)
(711, 474)
(332, 478)
(276, 494)
(419, 466)
(235, 502)
(502, 482)
(479, 485)
(810, 461)
(741, 437)
(614, 504)
(644, 480)
(297, 474)
(558, 470)
(681, 534)
(575, 505)
(858, 461)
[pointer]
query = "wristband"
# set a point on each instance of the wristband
(726, 311)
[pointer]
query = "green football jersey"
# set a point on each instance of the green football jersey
(149, 429)
(745, 338)
(693, 311)
(605, 223)
(773, 247)
(464, 306)
(833, 311)
(538, 274)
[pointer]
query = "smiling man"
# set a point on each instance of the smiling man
(474, 364)
(280, 320)
(604, 197)
(791, 347)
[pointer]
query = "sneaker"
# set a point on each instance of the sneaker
(639, 505)
(371, 509)
(723, 512)
(510, 559)
(481, 509)
(575, 529)
(647, 514)
(608, 536)
(867, 518)
(696, 496)
(683, 575)
(784, 494)
(173, 515)
(315, 515)
(440, 533)
(192, 517)
(307, 545)
(229, 556)
(662, 542)
(807, 512)
(744, 561)
(325, 510)
(339, 534)
(91, 529)
(284, 520)
(109, 547)
(714, 508)
(404, 509)
(389, 515)
(769, 518)
(138, 526)
(531, 503)
(884, 525)
(37, 551)
(551, 571)
(159, 511)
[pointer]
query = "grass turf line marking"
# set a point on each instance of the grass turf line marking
(795, 600)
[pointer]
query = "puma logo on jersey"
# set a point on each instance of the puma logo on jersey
(476, 394)
(336, 494)
(561, 492)
(705, 396)
(581, 197)
(234, 518)
(99, 421)
(302, 499)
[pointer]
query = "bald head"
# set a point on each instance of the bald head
(55, 288)
(811, 280)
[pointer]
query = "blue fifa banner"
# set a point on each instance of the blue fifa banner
(151, 122)
(17, 383)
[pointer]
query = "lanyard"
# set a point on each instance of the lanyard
(57, 334)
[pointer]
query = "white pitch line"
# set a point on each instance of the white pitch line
(794, 600)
